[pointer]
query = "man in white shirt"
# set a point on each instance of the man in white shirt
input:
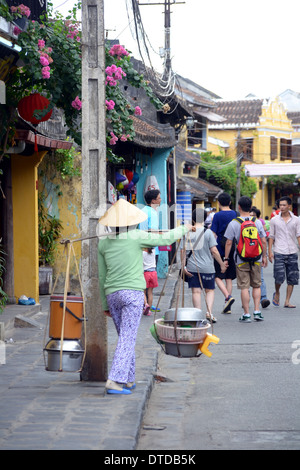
(284, 239)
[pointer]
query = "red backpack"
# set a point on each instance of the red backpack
(249, 246)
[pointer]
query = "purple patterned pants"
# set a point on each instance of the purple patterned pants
(126, 307)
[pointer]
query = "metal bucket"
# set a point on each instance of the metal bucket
(72, 354)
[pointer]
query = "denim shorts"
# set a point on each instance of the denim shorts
(286, 267)
(208, 280)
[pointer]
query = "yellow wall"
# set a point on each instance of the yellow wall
(272, 122)
(67, 208)
(25, 224)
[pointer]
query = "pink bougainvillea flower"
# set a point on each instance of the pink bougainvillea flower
(17, 31)
(44, 61)
(109, 104)
(114, 73)
(22, 9)
(77, 104)
(46, 72)
(110, 81)
(137, 111)
(118, 50)
(41, 43)
(113, 139)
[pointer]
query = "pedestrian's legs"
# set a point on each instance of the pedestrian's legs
(277, 293)
(245, 297)
(256, 294)
(263, 286)
(150, 296)
(196, 297)
(126, 308)
(289, 291)
(292, 277)
(229, 286)
(279, 273)
(210, 296)
(222, 287)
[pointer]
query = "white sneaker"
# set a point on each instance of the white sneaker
(245, 318)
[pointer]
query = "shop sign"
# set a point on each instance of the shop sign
(7, 63)
(2, 93)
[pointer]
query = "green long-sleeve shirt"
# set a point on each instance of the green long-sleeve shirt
(120, 259)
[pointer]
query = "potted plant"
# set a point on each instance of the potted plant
(49, 232)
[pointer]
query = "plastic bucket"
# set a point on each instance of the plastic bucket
(73, 317)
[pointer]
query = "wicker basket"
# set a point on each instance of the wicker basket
(180, 335)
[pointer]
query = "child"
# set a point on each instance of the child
(150, 275)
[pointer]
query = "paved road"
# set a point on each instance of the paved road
(246, 396)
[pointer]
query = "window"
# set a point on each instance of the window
(187, 169)
(285, 149)
(273, 150)
(246, 147)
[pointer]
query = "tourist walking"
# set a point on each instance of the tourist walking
(218, 227)
(200, 270)
(264, 301)
(248, 264)
(284, 241)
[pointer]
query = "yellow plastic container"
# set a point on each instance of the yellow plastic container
(209, 339)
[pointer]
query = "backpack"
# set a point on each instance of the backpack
(249, 246)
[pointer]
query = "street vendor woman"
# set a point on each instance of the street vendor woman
(122, 283)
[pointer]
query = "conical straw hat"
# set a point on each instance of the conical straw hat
(122, 214)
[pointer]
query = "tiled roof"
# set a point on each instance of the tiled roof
(186, 156)
(198, 187)
(42, 141)
(294, 117)
(239, 113)
(153, 134)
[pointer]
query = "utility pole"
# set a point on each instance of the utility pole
(167, 12)
(93, 183)
(167, 37)
(238, 170)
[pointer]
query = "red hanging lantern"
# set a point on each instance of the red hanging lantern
(28, 105)
(34, 102)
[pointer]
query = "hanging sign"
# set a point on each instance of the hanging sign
(2, 93)
(150, 183)
(112, 193)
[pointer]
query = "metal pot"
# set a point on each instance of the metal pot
(72, 353)
(190, 315)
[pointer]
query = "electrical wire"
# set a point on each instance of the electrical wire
(164, 86)
(66, 1)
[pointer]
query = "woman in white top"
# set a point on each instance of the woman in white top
(201, 262)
